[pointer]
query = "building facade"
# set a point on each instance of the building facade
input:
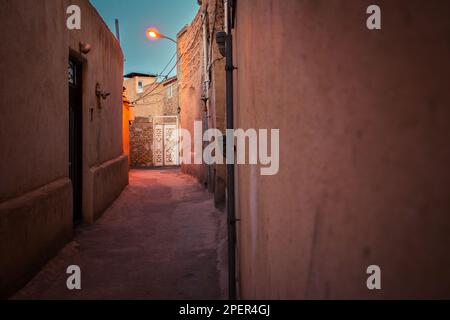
(62, 160)
(201, 76)
(153, 140)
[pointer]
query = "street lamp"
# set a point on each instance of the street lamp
(154, 35)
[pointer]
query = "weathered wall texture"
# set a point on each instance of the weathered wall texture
(217, 102)
(35, 193)
(156, 99)
(195, 86)
(149, 84)
(169, 100)
(190, 87)
(365, 126)
(141, 137)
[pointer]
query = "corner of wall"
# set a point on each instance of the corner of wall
(105, 183)
(33, 228)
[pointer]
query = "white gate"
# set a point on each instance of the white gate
(165, 142)
(170, 145)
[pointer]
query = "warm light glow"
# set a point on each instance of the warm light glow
(153, 34)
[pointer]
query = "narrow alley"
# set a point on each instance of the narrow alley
(159, 240)
(232, 150)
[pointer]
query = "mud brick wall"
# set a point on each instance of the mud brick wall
(170, 104)
(141, 142)
(190, 82)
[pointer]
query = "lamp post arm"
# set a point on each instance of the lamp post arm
(168, 38)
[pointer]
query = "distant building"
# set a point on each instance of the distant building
(153, 139)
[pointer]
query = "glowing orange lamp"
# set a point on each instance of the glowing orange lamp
(153, 34)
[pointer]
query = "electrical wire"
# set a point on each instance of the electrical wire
(213, 32)
(149, 94)
(178, 60)
(165, 68)
(158, 76)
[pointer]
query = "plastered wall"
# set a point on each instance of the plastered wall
(364, 154)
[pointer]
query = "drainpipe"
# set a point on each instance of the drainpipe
(230, 167)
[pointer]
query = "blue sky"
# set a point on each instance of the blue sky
(135, 17)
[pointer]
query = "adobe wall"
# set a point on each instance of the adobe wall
(190, 88)
(364, 171)
(35, 192)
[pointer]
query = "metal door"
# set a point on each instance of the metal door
(165, 144)
(170, 145)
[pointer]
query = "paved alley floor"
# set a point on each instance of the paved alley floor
(161, 239)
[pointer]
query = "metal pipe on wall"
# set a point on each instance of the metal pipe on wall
(230, 167)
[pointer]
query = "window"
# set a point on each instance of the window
(170, 91)
(140, 87)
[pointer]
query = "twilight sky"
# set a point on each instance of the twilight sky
(136, 16)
